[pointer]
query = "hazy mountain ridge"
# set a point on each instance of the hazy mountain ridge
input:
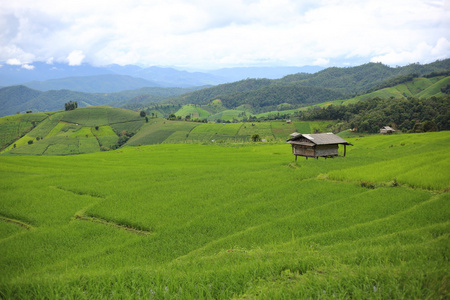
(108, 83)
(295, 90)
(14, 99)
(44, 76)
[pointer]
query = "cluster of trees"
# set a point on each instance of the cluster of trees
(173, 117)
(268, 98)
(71, 105)
(408, 115)
(446, 89)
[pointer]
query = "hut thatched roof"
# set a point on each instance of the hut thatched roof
(317, 139)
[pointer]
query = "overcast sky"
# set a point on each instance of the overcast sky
(211, 34)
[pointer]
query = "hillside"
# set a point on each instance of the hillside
(83, 130)
(299, 100)
(92, 84)
(300, 89)
(260, 95)
(229, 222)
(92, 129)
(362, 78)
(20, 98)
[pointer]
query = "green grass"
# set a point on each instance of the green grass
(418, 87)
(263, 129)
(193, 111)
(226, 129)
(221, 222)
(158, 130)
(15, 126)
(227, 115)
(17, 131)
(282, 130)
(132, 126)
(434, 89)
(302, 127)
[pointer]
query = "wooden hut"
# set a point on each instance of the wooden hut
(387, 130)
(316, 145)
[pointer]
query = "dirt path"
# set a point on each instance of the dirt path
(16, 222)
(112, 224)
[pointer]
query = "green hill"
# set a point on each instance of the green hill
(229, 222)
(263, 95)
(20, 98)
(419, 87)
(362, 78)
(83, 130)
(299, 90)
(91, 129)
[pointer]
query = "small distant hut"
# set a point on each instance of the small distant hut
(316, 145)
(387, 130)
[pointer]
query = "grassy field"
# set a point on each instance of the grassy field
(193, 111)
(83, 130)
(229, 221)
(15, 126)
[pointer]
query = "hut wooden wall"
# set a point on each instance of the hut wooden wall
(327, 150)
(303, 150)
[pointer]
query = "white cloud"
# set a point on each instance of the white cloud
(13, 62)
(321, 62)
(75, 58)
(418, 54)
(27, 67)
(221, 33)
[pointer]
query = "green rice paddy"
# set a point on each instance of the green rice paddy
(91, 129)
(231, 220)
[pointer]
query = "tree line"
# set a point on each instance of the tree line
(407, 115)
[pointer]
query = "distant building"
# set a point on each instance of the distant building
(387, 130)
(316, 145)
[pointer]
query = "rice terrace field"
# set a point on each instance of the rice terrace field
(236, 220)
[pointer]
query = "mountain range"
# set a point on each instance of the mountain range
(262, 95)
(116, 78)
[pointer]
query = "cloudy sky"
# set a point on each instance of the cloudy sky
(211, 34)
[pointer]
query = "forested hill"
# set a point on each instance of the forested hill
(360, 79)
(292, 91)
(304, 89)
(20, 98)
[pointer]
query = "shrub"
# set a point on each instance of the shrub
(367, 184)
(256, 137)
(30, 142)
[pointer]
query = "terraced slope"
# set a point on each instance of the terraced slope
(208, 221)
(83, 130)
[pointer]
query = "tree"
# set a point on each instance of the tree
(256, 138)
(71, 105)
(142, 113)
